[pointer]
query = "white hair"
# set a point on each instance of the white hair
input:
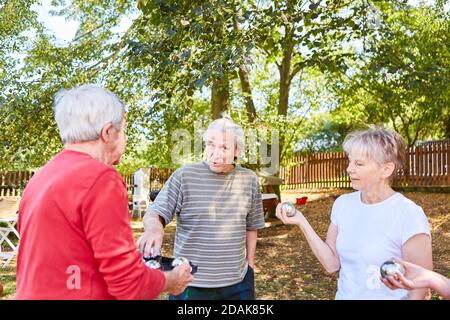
(225, 124)
(82, 112)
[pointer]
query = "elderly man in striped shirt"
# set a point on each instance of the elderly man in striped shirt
(218, 210)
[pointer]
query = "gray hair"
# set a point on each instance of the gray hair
(379, 144)
(82, 112)
(225, 124)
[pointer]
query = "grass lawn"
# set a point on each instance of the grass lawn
(285, 265)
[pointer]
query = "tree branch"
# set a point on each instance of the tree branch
(93, 70)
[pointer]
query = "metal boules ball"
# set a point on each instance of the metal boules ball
(153, 264)
(180, 260)
(289, 209)
(390, 268)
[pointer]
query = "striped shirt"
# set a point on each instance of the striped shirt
(213, 213)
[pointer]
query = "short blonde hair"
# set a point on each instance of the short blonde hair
(377, 143)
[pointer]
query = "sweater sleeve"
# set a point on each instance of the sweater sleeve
(106, 223)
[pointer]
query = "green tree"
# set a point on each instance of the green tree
(42, 66)
(404, 76)
(17, 22)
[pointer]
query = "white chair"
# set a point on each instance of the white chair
(140, 204)
(8, 220)
(141, 192)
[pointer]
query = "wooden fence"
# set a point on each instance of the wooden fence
(12, 183)
(427, 164)
(320, 170)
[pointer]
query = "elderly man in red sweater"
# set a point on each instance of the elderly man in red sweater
(76, 239)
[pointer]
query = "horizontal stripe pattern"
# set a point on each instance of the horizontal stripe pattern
(213, 213)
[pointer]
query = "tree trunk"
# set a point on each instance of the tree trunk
(243, 75)
(220, 96)
(285, 86)
(447, 128)
(246, 89)
(285, 76)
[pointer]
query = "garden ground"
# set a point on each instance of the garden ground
(285, 265)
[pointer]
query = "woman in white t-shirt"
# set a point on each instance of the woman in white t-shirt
(372, 225)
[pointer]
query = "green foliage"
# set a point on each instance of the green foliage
(188, 45)
(316, 70)
(42, 66)
(322, 133)
(404, 77)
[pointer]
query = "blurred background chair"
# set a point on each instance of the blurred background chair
(8, 221)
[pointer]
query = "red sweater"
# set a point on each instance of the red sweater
(76, 240)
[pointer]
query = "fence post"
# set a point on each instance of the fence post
(447, 146)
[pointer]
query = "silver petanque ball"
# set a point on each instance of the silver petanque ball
(178, 261)
(289, 209)
(153, 264)
(390, 268)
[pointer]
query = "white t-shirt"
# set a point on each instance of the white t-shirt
(368, 235)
